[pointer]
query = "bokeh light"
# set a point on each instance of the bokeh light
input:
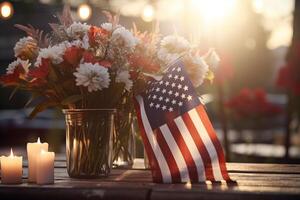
(6, 10)
(84, 12)
(148, 13)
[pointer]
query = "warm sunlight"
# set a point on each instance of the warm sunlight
(213, 10)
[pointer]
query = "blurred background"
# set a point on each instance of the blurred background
(254, 101)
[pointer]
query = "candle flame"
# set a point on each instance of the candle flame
(38, 140)
(11, 153)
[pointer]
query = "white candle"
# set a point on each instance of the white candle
(45, 167)
(11, 169)
(33, 150)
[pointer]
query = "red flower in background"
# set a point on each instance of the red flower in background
(289, 75)
(252, 103)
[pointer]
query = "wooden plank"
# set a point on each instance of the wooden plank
(254, 181)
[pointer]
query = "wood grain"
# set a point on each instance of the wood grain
(254, 181)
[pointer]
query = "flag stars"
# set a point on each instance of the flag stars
(160, 98)
(185, 88)
(173, 101)
(164, 91)
(181, 78)
(170, 92)
(189, 98)
(167, 100)
(183, 96)
(154, 96)
(151, 104)
(178, 69)
(179, 86)
(170, 109)
(176, 94)
(167, 83)
(173, 85)
(176, 77)
(157, 105)
(164, 107)
(161, 82)
(170, 76)
(149, 97)
(157, 89)
(180, 103)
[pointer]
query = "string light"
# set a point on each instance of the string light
(84, 11)
(148, 13)
(6, 10)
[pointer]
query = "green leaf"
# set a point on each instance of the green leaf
(41, 107)
(71, 99)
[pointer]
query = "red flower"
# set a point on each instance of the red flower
(97, 34)
(73, 55)
(252, 103)
(10, 79)
(90, 58)
(41, 71)
(13, 78)
(105, 63)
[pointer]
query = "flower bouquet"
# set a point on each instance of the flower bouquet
(84, 70)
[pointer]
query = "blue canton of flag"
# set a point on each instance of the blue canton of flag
(169, 97)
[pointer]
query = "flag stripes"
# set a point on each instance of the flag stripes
(184, 149)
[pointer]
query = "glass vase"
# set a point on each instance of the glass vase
(124, 140)
(89, 142)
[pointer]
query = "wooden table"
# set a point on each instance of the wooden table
(254, 181)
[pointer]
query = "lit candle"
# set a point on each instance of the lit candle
(45, 167)
(11, 169)
(33, 150)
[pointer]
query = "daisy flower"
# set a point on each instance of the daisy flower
(54, 53)
(77, 30)
(122, 36)
(93, 76)
(171, 48)
(26, 47)
(196, 68)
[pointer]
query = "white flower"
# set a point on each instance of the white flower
(196, 68)
(172, 47)
(122, 36)
(108, 26)
(12, 66)
(77, 30)
(212, 58)
(93, 76)
(124, 77)
(54, 53)
(23, 43)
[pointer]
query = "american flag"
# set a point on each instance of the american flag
(179, 139)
